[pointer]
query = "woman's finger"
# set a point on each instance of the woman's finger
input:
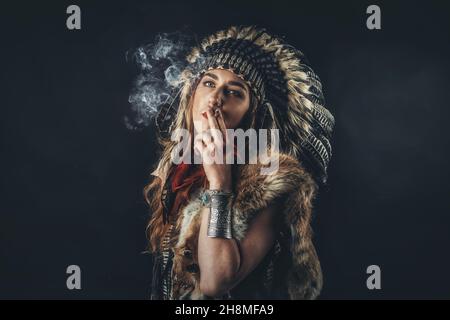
(207, 149)
(198, 137)
(222, 125)
(198, 145)
(206, 137)
(203, 147)
(214, 126)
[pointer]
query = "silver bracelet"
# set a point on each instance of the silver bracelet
(220, 216)
(205, 196)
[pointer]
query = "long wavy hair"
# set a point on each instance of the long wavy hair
(156, 228)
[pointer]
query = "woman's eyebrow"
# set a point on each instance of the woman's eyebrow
(238, 83)
(212, 75)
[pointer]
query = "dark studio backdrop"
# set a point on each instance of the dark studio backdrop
(72, 173)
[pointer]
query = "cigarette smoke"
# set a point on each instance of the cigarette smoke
(160, 65)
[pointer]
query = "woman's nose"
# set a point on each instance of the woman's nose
(216, 101)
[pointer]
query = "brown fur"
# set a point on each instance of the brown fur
(255, 192)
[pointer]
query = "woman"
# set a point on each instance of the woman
(227, 231)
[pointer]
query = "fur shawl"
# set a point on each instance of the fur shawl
(255, 192)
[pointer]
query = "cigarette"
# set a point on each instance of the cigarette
(216, 112)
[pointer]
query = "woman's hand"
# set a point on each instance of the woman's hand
(211, 145)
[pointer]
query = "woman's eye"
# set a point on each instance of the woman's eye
(235, 93)
(209, 84)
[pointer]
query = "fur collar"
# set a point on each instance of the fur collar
(290, 182)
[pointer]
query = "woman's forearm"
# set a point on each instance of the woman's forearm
(219, 260)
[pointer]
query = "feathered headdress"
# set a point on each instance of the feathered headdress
(289, 93)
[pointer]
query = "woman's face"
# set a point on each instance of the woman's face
(224, 89)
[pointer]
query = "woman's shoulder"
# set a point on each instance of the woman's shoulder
(284, 174)
(289, 183)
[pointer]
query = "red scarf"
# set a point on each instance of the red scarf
(186, 177)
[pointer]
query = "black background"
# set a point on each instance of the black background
(72, 174)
